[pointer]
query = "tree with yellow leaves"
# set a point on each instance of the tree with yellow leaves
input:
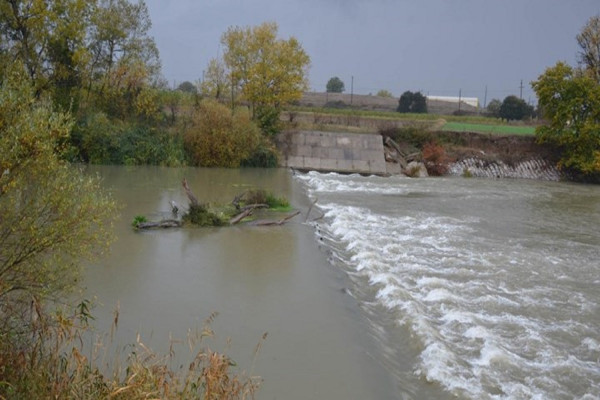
(50, 214)
(267, 72)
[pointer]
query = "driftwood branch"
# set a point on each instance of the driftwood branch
(390, 142)
(189, 193)
(236, 200)
(279, 222)
(241, 216)
(254, 206)
(310, 208)
(400, 157)
(318, 218)
(167, 223)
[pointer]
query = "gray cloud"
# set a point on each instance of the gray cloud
(436, 46)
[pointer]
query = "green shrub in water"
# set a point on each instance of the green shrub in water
(200, 215)
(138, 219)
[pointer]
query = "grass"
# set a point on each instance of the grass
(431, 122)
(138, 219)
(487, 128)
(49, 363)
(391, 115)
(260, 196)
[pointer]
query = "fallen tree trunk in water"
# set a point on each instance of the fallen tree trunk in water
(200, 214)
(272, 222)
(190, 194)
(167, 223)
(241, 216)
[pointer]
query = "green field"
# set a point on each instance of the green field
(485, 128)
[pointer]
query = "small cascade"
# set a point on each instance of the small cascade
(530, 169)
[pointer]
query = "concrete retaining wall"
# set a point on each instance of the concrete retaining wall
(332, 152)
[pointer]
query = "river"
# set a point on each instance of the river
(406, 288)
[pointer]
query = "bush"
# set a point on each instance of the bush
(263, 197)
(339, 104)
(200, 215)
(436, 160)
(384, 93)
(216, 138)
(264, 156)
(411, 134)
(102, 141)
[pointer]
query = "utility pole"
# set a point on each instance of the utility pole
(459, 99)
(485, 97)
(351, 89)
(521, 92)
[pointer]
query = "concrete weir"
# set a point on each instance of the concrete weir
(332, 152)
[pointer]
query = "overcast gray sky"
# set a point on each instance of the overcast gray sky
(436, 46)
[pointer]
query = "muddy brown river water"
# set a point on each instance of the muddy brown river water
(406, 289)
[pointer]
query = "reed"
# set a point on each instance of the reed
(46, 360)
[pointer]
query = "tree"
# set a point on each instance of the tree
(335, 85)
(412, 103)
(570, 103)
(268, 72)
(49, 39)
(493, 108)
(513, 108)
(385, 93)
(51, 214)
(217, 81)
(589, 42)
(187, 87)
(124, 59)
(69, 47)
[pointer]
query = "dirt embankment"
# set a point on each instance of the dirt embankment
(508, 149)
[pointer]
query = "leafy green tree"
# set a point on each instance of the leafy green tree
(266, 71)
(385, 93)
(513, 108)
(570, 103)
(51, 214)
(589, 42)
(187, 87)
(493, 108)
(410, 102)
(335, 85)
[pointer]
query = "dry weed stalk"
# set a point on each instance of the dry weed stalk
(51, 364)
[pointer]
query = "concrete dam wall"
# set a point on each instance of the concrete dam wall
(332, 152)
(364, 154)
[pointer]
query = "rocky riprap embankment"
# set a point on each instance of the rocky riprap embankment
(528, 169)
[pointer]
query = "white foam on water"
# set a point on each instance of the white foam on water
(495, 320)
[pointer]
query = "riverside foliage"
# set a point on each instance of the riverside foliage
(79, 80)
(570, 101)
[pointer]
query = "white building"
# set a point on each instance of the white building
(472, 101)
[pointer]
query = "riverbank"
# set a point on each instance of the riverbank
(465, 153)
